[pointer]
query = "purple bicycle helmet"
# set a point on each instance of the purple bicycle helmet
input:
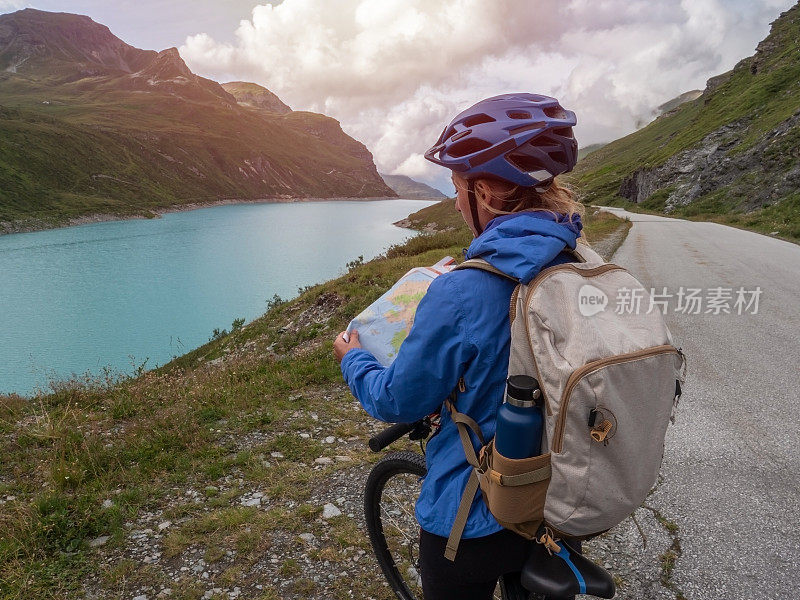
(522, 138)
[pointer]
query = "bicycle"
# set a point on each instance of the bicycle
(390, 494)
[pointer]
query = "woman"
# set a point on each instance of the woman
(505, 153)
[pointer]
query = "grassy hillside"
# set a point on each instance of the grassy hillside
(437, 217)
(587, 150)
(732, 155)
(89, 124)
(204, 474)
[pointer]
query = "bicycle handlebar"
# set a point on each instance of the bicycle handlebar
(379, 441)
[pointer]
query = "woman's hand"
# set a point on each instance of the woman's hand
(340, 347)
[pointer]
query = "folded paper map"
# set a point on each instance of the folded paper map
(384, 325)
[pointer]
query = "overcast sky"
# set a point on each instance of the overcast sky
(395, 71)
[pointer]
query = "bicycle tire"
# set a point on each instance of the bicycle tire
(396, 555)
(391, 466)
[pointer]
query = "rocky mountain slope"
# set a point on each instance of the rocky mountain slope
(90, 124)
(410, 188)
(731, 155)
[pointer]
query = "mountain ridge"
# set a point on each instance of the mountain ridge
(411, 188)
(92, 126)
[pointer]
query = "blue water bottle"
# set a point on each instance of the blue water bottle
(519, 419)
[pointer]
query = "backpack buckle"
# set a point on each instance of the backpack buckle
(600, 432)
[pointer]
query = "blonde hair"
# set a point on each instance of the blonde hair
(557, 198)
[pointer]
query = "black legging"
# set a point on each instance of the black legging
(478, 565)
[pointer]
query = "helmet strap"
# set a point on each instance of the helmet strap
(544, 186)
(473, 206)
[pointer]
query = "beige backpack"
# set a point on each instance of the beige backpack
(610, 380)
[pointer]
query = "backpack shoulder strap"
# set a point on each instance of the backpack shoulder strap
(584, 253)
(482, 265)
(463, 422)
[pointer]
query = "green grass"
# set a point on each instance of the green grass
(186, 425)
(440, 216)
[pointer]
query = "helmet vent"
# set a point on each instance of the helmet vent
(563, 131)
(477, 120)
(518, 114)
(524, 162)
(555, 112)
(527, 127)
(468, 146)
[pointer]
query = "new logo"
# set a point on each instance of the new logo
(591, 300)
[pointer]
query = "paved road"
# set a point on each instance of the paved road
(731, 473)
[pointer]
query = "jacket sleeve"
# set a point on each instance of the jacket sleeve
(427, 368)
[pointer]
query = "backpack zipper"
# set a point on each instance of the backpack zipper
(591, 272)
(578, 374)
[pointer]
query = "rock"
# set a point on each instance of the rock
(330, 511)
(709, 165)
(251, 501)
(323, 460)
(305, 436)
(99, 541)
(330, 439)
(774, 232)
(142, 597)
(309, 538)
(107, 503)
(342, 458)
(276, 454)
(164, 525)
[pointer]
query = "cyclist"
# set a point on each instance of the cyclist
(505, 153)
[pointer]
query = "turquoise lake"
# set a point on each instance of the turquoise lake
(120, 293)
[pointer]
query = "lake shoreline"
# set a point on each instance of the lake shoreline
(32, 225)
(81, 299)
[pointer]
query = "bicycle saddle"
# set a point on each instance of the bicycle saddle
(565, 573)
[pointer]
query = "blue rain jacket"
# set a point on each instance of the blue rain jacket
(461, 329)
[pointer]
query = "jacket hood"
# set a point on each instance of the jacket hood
(522, 244)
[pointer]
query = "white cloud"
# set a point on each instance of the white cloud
(395, 71)
(7, 6)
